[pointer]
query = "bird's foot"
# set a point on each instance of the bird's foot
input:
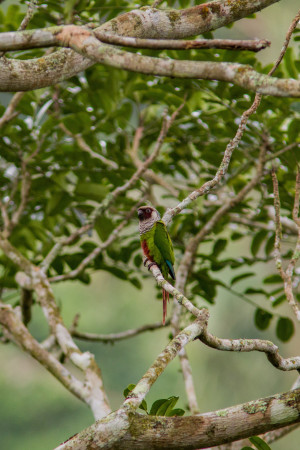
(145, 261)
(152, 264)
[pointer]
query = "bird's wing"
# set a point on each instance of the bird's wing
(163, 242)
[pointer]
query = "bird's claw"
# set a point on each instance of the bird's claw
(151, 264)
(145, 261)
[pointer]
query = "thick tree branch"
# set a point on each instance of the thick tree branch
(244, 76)
(151, 23)
(145, 23)
(136, 431)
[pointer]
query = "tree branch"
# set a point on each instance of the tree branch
(140, 391)
(188, 381)
(10, 111)
(113, 337)
(21, 336)
(188, 22)
(287, 275)
(33, 278)
(86, 148)
(250, 345)
(138, 431)
(32, 6)
(254, 45)
(239, 345)
(154, 23)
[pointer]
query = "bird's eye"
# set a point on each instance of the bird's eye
(148, 211)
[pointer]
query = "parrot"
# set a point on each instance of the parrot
(157, 246)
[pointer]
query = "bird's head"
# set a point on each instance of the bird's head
(148, 214)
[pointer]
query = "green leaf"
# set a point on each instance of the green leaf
(127, 391)
(136, 282)
(262, 319)
(255, 291)
(93, 191)
(289, 63)
(241, 277)
(219, 246)
(259, 443)
(280, 299)
(269, 247)
(156, 405)
(176, 412)
(144, 406)
(164, 407)
(284, 329)
(258, 239)
(272, 279)
(103, 227)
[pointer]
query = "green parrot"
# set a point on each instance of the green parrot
(157, 245)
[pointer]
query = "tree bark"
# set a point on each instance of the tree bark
(120, 431)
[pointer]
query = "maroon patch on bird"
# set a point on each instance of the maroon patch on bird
(146, 250)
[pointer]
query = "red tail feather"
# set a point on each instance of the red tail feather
(166, 296)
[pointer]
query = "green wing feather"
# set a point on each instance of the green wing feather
(163, 242)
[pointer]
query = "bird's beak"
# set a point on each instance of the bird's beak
(140, 213)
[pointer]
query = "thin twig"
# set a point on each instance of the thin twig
(149, 175)
(288, 36)
(283, 150)
(188, 381)
(287, 275)
(187, 260)
(206, 187)
(25, 188)
(10, 111)
(86, 148)
(157, 3)
(88, 259)
(113, 337)
(277, 243)
(33, 5)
